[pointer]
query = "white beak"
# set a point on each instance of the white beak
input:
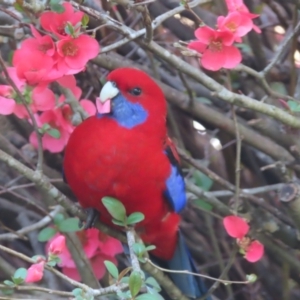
(108, 92)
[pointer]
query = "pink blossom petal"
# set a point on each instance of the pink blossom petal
(256, 28)
(71, 273)
(7, 106)
(197, 46)
(69, 82)
(233, 57)
(6, 90)
(98, 264)
(55, 145)
(57, 245)
(20, 83)
(213, 60)
(92, 243)
(235, 226)
(88, 106)
(111, 247)
(255, 252)
(21, 112)
(245, 26)
(43, 98)
(205, 34)
(103, 108)
(35, 272)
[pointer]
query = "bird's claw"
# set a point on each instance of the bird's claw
(92, 217)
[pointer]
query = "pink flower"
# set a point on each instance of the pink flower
(40, 99)
(32, 66)
(35, 272)
(255, 251)
(44, 44)
(59, 118)
(74, 53)
(56, 22)
(8, 105)
(97, 246)
(237, 228)
(57, 245)
(235, 23)
(69, 82)
(239, 6)
(216, 48)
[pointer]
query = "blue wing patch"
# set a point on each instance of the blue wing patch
(175, 192)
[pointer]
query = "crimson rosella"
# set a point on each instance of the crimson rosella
(124, 152)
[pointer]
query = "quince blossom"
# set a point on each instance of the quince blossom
(216, 48)
(240, 7)
(74, 53)
(56, 22)
(57, 245)
(237, 228)
(35, 272)
(235, 23)
(97, 246)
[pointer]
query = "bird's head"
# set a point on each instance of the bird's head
(131, 98)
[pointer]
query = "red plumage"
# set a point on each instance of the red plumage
(103, 158)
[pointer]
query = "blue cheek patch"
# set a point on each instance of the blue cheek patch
(127, 114)
(175, 192)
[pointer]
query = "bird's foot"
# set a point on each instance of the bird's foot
(92, 217)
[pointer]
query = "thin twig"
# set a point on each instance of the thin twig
(40, 224)
(237, 162)
(131, 241)
(280, 50)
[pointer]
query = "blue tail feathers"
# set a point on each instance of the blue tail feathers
(191, 286)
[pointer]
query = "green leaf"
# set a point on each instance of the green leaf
(19, 276)
(69, 29)
(77, 292)
(54, 260)
(54, 133)
(146, 297)
(58, 218)
(118, 222)
(69, 225)
(56, 6)
(203, 181)
(203, 204)
(294, 106)
(38, 258)
(7, 291)
(135, 283)
(153, 283)
(139, 248)
(150, 247)
(112, 269)
(18, 7)
(278, 87)
(44, 128)
(85, 20)
(46, 234)
(115, 208)
(8, 282)
(134, 218)
(251, 278)
(154, 292)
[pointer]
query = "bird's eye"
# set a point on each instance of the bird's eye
(135, 91)
(113, 84)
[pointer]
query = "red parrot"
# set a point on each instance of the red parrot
(124, 152)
